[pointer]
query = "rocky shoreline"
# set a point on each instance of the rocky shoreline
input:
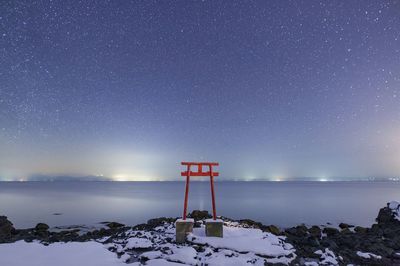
(312, 245)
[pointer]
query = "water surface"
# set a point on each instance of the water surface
(280, 203)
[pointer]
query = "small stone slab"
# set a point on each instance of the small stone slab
(214, 228)
(183, 228)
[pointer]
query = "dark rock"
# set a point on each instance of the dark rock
(7, 229)
(312, 241)
(347, 241)
(360, 229)
(152, 223)
(199, 215)
(315, 231)
(344, 225)
(251, 223)
(302, 230)
(330, 231)
(346, 231)
(272, 229)
(41, 227)
(113, 225)
(386, 216)
(298, 231)
(329, 243)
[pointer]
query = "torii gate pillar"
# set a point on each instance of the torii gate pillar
(214, 227)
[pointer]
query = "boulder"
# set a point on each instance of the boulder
(251, 223)
(346, 231)
(330, 231)
(272, 229)
(302, 229)
(344, 225)
(360, 229)
(385, 216)
(199, 215)
(41, 227)
(152, 223)
(298, 231)
(315, 231)
(6, 229)
(114, 225)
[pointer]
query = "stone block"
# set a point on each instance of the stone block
(214, 228)
(183, 228)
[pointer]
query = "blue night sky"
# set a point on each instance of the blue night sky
(270, 89)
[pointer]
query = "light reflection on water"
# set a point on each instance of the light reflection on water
(280, 203)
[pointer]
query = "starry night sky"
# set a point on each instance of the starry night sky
(270, 89)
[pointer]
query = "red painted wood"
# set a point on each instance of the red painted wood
(200, 163)
(186, 193)
(199, 173)
(212, 193)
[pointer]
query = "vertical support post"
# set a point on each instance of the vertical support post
(212, 193)
(186, 192)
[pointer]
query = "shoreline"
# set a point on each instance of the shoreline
(303, 245)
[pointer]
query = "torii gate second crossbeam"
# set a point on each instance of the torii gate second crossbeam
(188, 173)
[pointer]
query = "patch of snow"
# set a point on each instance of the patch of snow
(182, 254)
(239, 246)
(395, 207)
(161, 262)
(231, 258)
(368, 255)
(187, 220)
(214, 221)
(311, 263)
(137, 242)
(125, 257)
(327, 257)
(151, 255)
(245, 240)
(60, 254)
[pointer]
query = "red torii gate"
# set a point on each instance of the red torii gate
(199, 172)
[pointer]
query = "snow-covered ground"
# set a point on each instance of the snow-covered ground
(239, 246)
(91, 253)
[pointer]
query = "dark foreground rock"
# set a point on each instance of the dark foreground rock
(315, 245)
(351, 246)
(7, 229)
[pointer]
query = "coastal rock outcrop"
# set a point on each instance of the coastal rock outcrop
(341, 244)
(7, 229)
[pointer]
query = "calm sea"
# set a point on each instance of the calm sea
(280, 203)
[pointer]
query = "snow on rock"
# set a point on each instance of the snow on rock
(367, 255)
(182, 254)
(60, 254)
(136, 242)
(161, 262)
(395, 207)
(239, 246)
(150, 255)
(245, 240)
(327, 257)
(231, 258)
(156, 247)
(311, 263)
